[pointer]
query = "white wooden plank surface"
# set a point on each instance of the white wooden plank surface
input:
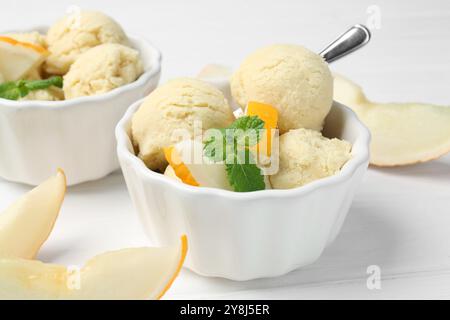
(400, 219)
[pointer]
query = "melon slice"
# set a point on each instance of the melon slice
(27, 223)
(18, 58)
(138, 273)
(402, 133)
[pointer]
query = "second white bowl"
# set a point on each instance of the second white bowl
(37, 137)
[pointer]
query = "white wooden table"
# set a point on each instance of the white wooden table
(400, 218)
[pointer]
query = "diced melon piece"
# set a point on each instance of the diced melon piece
(18, 58)
(192, 167)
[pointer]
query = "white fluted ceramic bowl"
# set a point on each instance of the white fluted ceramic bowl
(37, 137)
(243, 236)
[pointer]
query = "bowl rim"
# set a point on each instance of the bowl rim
(361, 158)
(145, 77)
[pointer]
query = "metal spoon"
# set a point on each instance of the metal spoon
(351, 40)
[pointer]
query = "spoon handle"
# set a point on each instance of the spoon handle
(351, 40)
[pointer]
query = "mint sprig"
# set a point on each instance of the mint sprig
(237, 134)
(233, 147)
(14, 90)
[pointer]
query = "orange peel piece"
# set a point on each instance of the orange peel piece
(183, 253)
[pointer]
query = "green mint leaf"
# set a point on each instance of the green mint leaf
(247, 122)
(231, 145)
(245, 177)
(13, 90)
(11, 94)
(242, 133)
(6, 86)
(215, 143)
(247, 130)
(21, 86)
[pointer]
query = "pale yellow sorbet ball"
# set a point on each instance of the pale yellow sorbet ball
(305, 156)
(76, 33)
(102, 69)
(291, 78)
(176, 107)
